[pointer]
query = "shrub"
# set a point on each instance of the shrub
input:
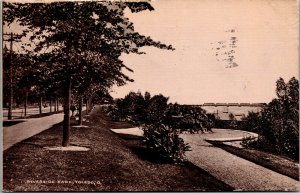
(155, 109)
(252, 122)
(247, 142)
(189, 118)
(233, 124)
(261, 143)
(165, 141)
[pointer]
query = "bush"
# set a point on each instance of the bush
(155, 109)
(190, 124)
(253, 122)
(261, 143)
(228, 124)
(165, 141)
(189, 118)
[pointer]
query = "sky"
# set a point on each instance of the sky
(265, 47)
(225, 51)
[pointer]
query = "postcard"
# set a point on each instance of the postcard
(160, 95)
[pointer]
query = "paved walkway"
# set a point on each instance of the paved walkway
(233, 170)
(30, 127)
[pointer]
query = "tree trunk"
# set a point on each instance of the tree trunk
(80, 111)
(25, 104)
(66, 123)
(41, 105)
(57, 104)
(50, 104)
(87, 106)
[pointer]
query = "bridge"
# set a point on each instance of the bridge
(238, 110)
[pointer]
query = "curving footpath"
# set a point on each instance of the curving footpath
(237, 172)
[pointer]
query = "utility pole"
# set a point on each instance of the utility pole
(12, 37)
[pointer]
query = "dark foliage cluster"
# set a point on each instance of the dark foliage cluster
(75, 48)
(150, 113)
(165, 141)
(278, 123)
(138, 109)
(77, 41)
(192, 119)
(161, 121)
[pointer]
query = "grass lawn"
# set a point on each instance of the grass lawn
(280, 164)
(114, 163)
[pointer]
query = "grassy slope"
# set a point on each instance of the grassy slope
(117, 164)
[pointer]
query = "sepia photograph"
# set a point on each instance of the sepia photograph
(150, 95)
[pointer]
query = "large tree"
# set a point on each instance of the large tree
(278, 122)
(21, 74)
(79, 43)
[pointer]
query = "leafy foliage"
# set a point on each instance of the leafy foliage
(161, 122)
(22, 76)
(155, 115)
(189, 118)
(139, 109)
(80, 40)
(233, 122)
(77, 45)
(252, 122)
(278, 123)
(165, 141)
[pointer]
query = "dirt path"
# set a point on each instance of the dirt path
(235, 171)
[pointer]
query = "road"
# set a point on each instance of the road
(20, 112)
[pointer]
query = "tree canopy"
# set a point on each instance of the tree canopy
(78, 44)
(278, 123)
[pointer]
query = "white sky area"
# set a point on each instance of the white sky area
(267, 48)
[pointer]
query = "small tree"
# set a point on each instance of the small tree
(233, 122)
(252, 122)
(156, 109)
